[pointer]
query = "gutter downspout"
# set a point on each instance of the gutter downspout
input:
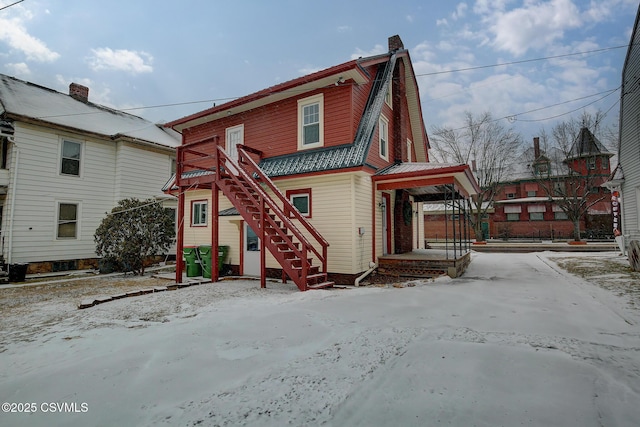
(372, 266)
(13, 201)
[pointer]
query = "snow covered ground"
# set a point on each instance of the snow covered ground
(515, 341)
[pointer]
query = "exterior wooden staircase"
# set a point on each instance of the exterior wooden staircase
(272, 219)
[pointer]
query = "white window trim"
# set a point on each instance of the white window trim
(384, 120)
(315, 99)
(206, 215)
(61, 148)
(305, 196)
(57, 220)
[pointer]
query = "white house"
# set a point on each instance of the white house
(624, 181)
(64, 163)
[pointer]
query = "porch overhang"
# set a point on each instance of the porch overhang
(427, 181)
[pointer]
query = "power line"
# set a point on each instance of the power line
(12, 4)
(479, 67)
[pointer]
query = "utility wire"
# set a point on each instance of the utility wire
(12, 4)
(544, 58)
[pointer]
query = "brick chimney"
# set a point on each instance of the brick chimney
(395, 43)
(536, 147)
(79, 92)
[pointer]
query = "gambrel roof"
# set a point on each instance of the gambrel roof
(28, 102)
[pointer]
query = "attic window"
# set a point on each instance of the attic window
(310, 122)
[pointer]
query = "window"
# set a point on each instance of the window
(387, 97)
(591, 163)
(301, 200)
(173, 166)
(409, 150)
(199, 213)
(383, 136)
(310, 122)
(4, 152)
(542, 168)
(536, 216)
(560, 215)
(70, 163)
(558, 188)
(531, 193)
(513, 212)
(67, 221)
(511, 195)
(536, 212)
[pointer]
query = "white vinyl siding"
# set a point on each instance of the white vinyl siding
(41, 187)
(628, 152)
(341, 204)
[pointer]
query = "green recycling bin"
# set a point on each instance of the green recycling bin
(192, 261)
(223, 252)
(205, 260)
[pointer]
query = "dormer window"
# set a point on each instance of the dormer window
(310, 122)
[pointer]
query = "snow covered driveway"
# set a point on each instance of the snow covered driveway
(514, 342)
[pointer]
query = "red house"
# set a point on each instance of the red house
(532, 205)
(313, 179)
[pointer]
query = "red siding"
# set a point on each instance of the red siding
(273, 128)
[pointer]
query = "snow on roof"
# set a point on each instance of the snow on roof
(23, 99)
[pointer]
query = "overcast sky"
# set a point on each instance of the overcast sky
(150, 53)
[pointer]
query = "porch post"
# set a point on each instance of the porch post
(373, 222)
(180, 237)
(263, 255)
(458, 198)
(215, 202)
(453, 225)
(446, 223)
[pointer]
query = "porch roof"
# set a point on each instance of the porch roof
(427, 181)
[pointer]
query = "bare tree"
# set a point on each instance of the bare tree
(489, 147)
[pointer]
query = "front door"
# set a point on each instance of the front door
(251, 258)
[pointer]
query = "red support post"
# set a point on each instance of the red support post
(180, 238)
(263, 256)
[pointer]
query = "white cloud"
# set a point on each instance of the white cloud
(409, 18)
(344, 28)
(377, 50)
(534, 26)
(19, 69)
(461, 10)
(442, 22)
(14, 33)
(120, 60)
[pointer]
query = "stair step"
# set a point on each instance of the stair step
(323, 285)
